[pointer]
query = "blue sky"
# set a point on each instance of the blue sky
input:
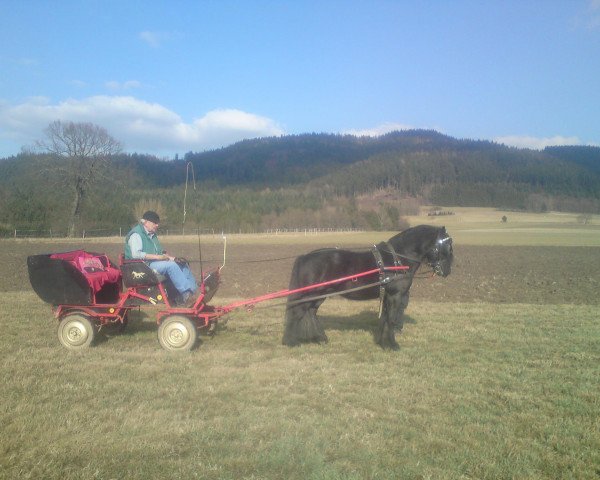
(167, 77)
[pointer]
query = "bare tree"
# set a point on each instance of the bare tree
(87, 148)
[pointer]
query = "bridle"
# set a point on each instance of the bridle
(434, 257)
(434, 261)
(441, 249)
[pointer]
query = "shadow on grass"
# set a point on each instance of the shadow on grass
(138, 322)
(365, 321)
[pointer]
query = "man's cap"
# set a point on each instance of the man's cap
(151, 216)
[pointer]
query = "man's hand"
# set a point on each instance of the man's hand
(182, 262)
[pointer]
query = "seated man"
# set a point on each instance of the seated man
(142, 243)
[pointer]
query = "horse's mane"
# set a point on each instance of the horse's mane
(415, 236)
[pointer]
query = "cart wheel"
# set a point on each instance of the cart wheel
(76, 331)
(177, 334)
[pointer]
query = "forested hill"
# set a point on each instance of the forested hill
(412, 162)
(311, 179)
(417, 163)
(588, 157)
(297, 159)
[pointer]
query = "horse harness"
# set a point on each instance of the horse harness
(385, 277)
(380, 262)
(441, 244)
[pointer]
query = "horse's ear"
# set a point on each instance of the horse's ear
(443, 229)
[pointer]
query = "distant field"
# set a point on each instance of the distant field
(497, 376)
(468, 226)
(484, 226)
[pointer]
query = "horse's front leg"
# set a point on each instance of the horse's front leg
(386, 336)
(399, 315)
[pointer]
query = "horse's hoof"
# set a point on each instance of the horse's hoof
(290, 343)
(389, 346)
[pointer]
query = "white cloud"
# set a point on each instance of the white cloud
(141, 126)
(27, 62)
(594, 22)
(155, 39)
(379, 130)
(78, 83)
(128, 85)
(588, 18)
(536, 143)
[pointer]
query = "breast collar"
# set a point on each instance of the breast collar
(396, 259)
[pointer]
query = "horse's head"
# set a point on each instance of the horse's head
(426, 244)
(440, 256)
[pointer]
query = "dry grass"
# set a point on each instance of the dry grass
(477, 391)
(468, 226)
(484, 226)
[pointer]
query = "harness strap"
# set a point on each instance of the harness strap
(378, 259)
(380, 265)
(395, 256)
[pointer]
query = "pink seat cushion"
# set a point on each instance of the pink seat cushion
(95, 268)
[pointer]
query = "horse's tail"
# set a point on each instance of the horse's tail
(295, 275)
(300, 326)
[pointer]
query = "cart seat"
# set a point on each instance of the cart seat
(77, 277)
(137, 273)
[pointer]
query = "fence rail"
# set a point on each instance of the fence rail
(122, 231)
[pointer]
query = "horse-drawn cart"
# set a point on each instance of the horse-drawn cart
(88, 292)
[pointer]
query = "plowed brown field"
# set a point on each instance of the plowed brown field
(495, 274)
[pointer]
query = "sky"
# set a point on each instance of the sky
(174, 76)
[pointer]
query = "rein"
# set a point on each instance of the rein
(327, 295)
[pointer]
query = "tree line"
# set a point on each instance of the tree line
(297, 181)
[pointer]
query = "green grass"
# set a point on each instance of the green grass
(477, 391)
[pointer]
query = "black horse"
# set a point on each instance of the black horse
(412, 247)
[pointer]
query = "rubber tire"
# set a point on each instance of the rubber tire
(76, 331)
(177, 333)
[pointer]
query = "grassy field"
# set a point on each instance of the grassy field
(476, 392)
(485, 388)
(484, 226)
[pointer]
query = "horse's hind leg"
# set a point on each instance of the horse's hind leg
(314, 327)
(303, 325)
(293, 318)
